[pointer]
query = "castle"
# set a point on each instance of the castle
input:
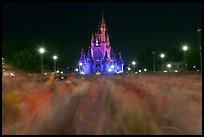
(100, 57)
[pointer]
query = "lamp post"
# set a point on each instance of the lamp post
(55, 58)
(133, 63)
(185, 48)
(162, 55)
(41, 50)
(169, 66)
(153, 53)
(200, 42)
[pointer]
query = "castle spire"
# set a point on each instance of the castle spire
(98, 27)
(89, 53)
(81, 54)
(103, 20)
(92, 38)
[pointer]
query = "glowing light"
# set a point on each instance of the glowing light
(168, 65)
(80, 64)
(176, 70)
(57, 71)
(41, 50)
(45, 73)
(61, 72)
(165, 71)
(76, 70)
(54, 57)
(145, 69)
(194, 66)
(140, 70)
(112, 66)
(12, 74)
(133, 63)
(128, 68)
(199, 30)
(136, 72)
(109, 70)
(185, 47)
(98, 73)
(82, 73)
(162, 55)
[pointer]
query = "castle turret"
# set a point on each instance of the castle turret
(89, 54)
(100, 56)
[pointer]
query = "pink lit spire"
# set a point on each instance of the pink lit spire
(92, 38)
(103, 20)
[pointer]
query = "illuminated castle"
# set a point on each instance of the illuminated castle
(100, 57)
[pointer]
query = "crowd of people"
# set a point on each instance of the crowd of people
(119, 104)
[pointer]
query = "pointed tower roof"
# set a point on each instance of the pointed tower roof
(81, 57)
(89, 53)
(107, 32)
(103, 20)
(92, 38)
(98, 27)
(106, 57)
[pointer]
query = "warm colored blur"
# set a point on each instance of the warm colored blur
(125, 104)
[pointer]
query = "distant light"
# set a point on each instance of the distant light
(42, 50)
(76, 69)
(61, 72)
(128, 68)
(162, 55)
(185, 47)
(98, 73)
(176, 70)
(198, 70)
(168, 65)
(133, 63)
(140, 70)
(62, 77)
(12, 74)
(3, 69)
(199, 30)
(45, 73)
(145, 69)
(82, 73)
(136, 72)
(109, 70)
(165, 71)
(194, 66)
(80, 64)
(57, 71)
(54, 57)
(112, 66)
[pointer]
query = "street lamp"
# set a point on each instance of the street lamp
(162, 55)
(199, 31)
(133, 63)
(55, 58)
(153, 53)
(185, 48)
(41, 50)
(168, 66)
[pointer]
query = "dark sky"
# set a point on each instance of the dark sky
(65, 28)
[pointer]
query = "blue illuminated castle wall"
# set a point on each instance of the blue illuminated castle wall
(100, 56)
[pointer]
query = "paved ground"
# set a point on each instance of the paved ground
(126, 104)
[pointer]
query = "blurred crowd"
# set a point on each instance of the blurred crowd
(123, 104)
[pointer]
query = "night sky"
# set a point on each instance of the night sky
(65, 28)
